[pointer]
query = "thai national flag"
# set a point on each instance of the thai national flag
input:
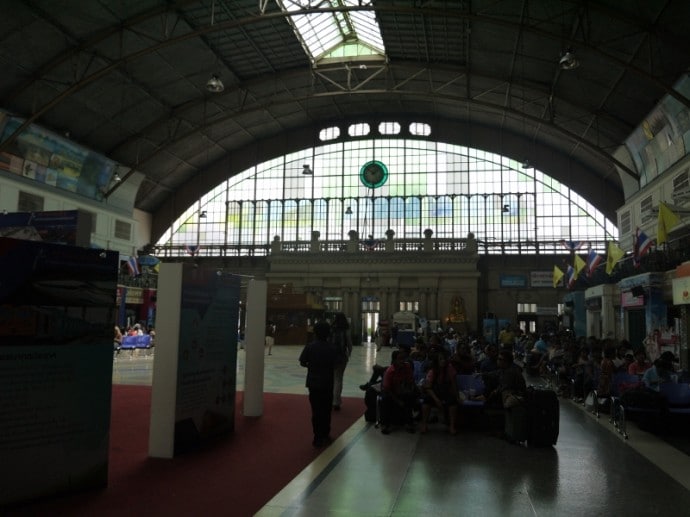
(572, 245)
(192, 249)
(133, 266)
(593, 261)
(642, 245)
(570, 275)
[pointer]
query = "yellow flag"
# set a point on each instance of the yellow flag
(557, 275)
(579, 265)
(613, 256)
(667, 220)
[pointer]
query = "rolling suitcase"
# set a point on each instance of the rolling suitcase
(543, 415)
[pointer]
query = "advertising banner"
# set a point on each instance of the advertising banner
(194, 378)
(56, 308)
(71, 227)
(43, 156)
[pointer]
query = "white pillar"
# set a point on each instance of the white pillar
(255, 335)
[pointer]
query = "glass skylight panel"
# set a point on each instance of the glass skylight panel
(367, 28)
(323, 33)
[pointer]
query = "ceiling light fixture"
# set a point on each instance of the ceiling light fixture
(117, 178)
(202, 214)
(214, 84)
(306, 170)
(348, 211)
(526, 164)
(568, 60)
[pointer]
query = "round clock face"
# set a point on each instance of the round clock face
(373, 174)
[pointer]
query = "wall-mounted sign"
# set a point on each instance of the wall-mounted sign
(512, 280)
(547, 311)
(629, 300)
(681, 290)
(541, 278)
(593, 304)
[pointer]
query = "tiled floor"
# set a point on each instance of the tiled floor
(591, 471)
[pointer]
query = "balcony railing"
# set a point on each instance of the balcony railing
(485, 247)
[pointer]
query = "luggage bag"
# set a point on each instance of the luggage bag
(543, 414)
(371, 403)
(516, 424)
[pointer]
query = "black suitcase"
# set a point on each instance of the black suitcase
(543, 414)
(370, 396)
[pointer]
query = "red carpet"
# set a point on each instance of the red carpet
(236, 476)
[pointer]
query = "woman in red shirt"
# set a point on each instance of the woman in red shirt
(640, 365)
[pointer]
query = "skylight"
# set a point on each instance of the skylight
(335, 35)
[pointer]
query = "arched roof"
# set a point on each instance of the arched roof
(128, 79)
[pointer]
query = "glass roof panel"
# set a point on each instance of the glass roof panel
(322, 33)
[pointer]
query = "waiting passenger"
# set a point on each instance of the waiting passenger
(489, 363)
(509, 384)
(398, 393)
(641, 363)
(606, 371)
(506, 337)
(420, 351)
(377, 372)
(660, 372)
(536, 359)
(463, 361)
(441, 391)
(583, 375)
(117, 339)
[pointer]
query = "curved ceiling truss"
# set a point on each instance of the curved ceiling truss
(129, 81)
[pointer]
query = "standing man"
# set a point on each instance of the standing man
(270, 336)
(319, 357)
(342, 340)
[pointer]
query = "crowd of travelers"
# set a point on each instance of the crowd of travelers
(138, 329)
(422, 378)
(419, 386)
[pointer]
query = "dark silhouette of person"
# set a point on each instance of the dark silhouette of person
(319, 357)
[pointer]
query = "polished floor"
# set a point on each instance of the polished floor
(591, 471)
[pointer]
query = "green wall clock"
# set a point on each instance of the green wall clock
(373, 174)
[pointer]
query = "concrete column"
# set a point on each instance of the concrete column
(255, 335)
(434, 304)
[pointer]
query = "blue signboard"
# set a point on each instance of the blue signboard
(512, 280)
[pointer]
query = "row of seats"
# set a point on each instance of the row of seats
(471, 387)
(673, 399)
(132, 342)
